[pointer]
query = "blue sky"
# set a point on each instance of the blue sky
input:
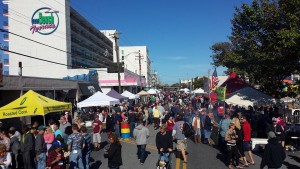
(178, 33)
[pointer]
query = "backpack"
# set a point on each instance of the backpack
(188, 131)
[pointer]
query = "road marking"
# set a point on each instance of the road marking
(184, 166)
(133, 142)
(177, 164)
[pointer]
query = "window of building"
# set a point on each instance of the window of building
(5, 61)
(5, 72)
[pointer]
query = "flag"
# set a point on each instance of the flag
(221, 93)
(214, 80)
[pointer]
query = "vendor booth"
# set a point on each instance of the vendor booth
(98, 99)
(116, 95)
(130, 95)
(32, 104)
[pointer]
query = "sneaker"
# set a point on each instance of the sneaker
(142, 163)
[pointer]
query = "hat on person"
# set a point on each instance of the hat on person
(271, 134)
(41, 127)
(12, 129)
(274, 119)
(56, 144)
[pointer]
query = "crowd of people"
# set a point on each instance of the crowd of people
(68, 142)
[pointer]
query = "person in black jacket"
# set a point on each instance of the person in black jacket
(27, 148)
(276, 128)
(114, 153)
(164, 143)
(274, 154)
(132, 121)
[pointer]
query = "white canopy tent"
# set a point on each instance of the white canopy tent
(98, 99)
(143, 93)
(185, 90)
(130, 95)
(287, 99)
(153, 91)
(248, 96)
(199, 91)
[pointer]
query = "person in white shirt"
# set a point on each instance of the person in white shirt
(197, 128)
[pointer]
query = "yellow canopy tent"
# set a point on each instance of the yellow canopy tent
(31, 104)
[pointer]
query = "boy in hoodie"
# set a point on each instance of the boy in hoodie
(274, 154)
(141, 134)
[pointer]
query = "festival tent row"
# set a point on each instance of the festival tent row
(32, 104)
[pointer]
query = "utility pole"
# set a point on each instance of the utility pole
(140, 67)
(115, 36)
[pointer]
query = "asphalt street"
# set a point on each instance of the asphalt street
(200, 156)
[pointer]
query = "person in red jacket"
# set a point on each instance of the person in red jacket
(247, 138)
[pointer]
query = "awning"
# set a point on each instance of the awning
(88, 89)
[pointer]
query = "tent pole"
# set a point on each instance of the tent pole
(44, 121)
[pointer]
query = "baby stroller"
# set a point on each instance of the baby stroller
(163, 162)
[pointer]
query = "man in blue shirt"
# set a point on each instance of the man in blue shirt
(223, 127)
(75, 145)
(86, 151)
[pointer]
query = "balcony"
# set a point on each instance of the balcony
(5, 25)
(5, 2)
(5, 12)
(5, 37)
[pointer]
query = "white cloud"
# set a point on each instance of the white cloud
(177, 58)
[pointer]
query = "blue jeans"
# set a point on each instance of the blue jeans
(41, 162)
(165, 157)
(141, 152)
(132, 126)
(114, 167)
(117, 130)
(86, 159)
(76, 160)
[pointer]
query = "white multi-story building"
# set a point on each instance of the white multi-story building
(136, 59)
(52, 40)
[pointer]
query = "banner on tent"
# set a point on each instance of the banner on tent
(221, 93)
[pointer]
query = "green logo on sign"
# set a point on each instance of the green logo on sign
(35, 110)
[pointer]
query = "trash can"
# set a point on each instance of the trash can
(125, 130)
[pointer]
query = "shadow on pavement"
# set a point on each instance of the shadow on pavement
(297, 159)
(222, 157)
(290, 166)
(103, 144)
(97, 164)
(147, 154)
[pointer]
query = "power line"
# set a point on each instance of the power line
(49, 61)
(2, 30)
